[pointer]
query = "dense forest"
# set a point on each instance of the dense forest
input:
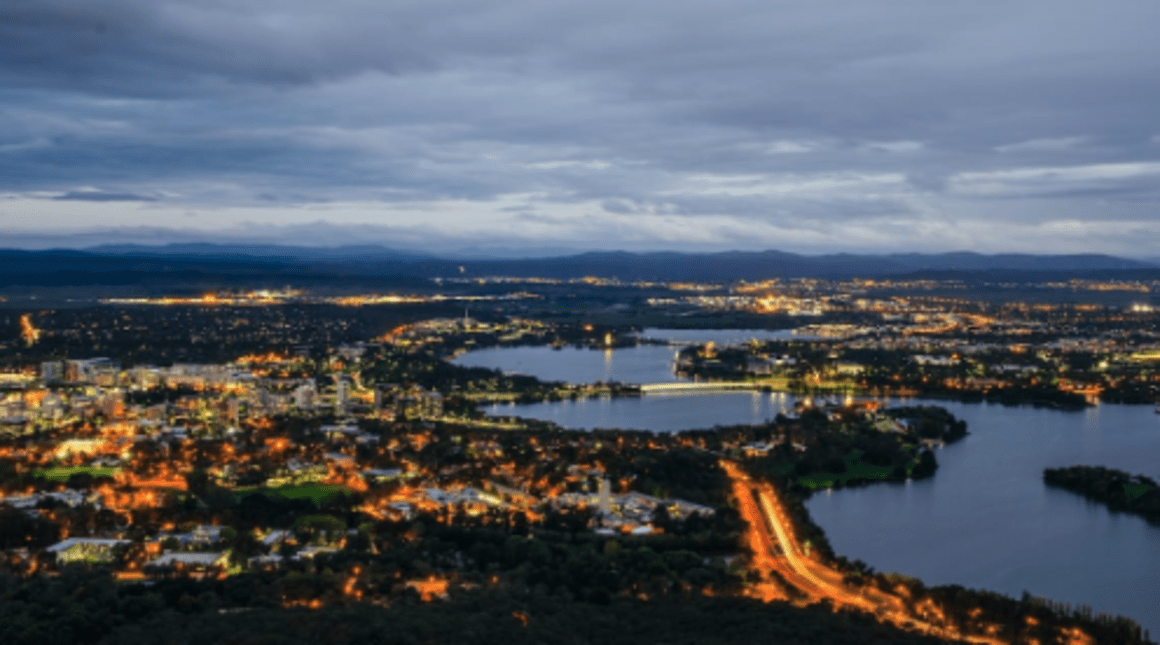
(833, 449)
(82, 606)
(1120, 491)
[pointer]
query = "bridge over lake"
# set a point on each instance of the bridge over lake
(662, 388)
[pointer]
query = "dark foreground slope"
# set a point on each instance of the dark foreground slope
(90, 608)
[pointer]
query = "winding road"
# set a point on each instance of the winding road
(776, 550)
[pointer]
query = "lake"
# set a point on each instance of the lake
(985, 520)
(664, 412)
(640, 364)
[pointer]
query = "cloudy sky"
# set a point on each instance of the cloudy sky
(1013, 125)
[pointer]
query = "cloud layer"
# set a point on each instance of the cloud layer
(894, 125)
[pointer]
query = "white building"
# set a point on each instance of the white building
(304, 396)
(341, 395)
(79, 549)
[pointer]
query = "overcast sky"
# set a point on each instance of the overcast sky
(807, 126)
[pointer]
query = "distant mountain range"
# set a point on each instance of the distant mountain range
(127, 263)
(250, 252)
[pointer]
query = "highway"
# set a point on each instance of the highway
(789, 552)
(776, 550)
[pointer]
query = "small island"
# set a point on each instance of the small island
(1120, 491)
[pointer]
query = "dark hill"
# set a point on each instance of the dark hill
(294, 262)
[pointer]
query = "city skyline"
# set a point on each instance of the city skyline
(899, 127)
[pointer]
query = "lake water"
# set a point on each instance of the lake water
(664, 412)
(985, 520)
(640, 364)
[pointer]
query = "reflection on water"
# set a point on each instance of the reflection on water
(1092, 419)
(668, 412)
(643, 364)
(985, 520)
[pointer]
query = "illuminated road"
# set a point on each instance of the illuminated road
(775, 550)
(660, 388)
(789, 551)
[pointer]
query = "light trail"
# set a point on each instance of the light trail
(789, 552)
(775, 549)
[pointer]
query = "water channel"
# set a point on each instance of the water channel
(985, 520)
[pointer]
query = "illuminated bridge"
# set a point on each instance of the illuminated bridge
(662, 388)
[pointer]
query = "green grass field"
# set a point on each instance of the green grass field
(62, 473)
(314, 491)
(855, 469)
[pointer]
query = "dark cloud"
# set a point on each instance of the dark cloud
(800, 118)
(101, 196)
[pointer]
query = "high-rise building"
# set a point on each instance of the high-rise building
(341, 396)
(384, 394)
(233, 410)
(100, 371)
(52, 372)
(604, 497)
(430, 405)
(112, 404)
(304, 396)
